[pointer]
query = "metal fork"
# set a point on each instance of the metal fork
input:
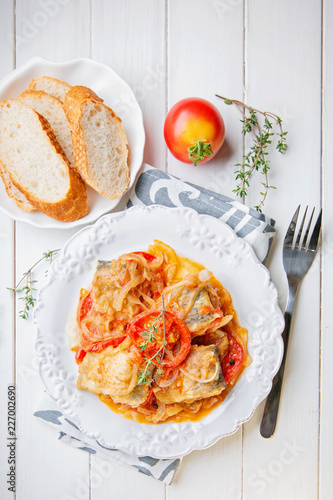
(297, 258)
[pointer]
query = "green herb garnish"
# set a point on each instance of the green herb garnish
(28, 289)
(157, 358)
(256, 159)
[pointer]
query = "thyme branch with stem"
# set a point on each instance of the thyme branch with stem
(149, 338)
(28, 289)
(256, 159)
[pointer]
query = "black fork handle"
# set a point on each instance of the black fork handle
(268, 422)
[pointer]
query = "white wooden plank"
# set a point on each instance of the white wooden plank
(131, 40)
(57, 30)
(283, 41)
(35, 438)
(205, 56)
(7, 332)
(326, 386)
(7, 357)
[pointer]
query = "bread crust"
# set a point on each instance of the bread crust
(74, 102)
(62, 87)
(13, 192)
(74, 205)
(37, 94)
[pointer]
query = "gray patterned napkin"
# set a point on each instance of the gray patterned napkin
(68, 432)
(156, 187)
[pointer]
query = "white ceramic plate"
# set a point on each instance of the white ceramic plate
(116, 94)
(202, 238)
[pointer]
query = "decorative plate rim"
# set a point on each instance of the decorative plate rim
(161, 444)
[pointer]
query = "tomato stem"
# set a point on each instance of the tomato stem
(198, 151)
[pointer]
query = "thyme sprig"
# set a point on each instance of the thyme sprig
(149, 337)
(28, 289)
(256, 159)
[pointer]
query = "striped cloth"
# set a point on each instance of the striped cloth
(68, 432)
(156, 187)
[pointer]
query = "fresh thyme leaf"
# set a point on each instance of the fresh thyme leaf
(142, 378)
(28, 289)
(157, 358)
(256, 158)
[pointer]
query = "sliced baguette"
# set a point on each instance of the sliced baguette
(37, 165)
(99, 141)
(52, 86)
(52, 109)
(13, 192)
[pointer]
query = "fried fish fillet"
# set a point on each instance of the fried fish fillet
(199, 377)
(114, 372)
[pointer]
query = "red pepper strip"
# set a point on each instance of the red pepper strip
(232, 361)
(140, 325)
(86, 305)
(150, 397)
(148, 256)
(79, 355)
(103, 344)
(98, 346)
(216, 323)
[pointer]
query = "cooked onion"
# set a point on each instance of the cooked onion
(165, 382)
(226, 320)
(204, 275)
(134, 257)
(200, 380)
(87, 332)
(158, 260)
(160, 412)
(131, 284)
(151, 302)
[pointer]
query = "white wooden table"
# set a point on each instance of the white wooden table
(275, 55)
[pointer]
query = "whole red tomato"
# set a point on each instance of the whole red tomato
(194, 130)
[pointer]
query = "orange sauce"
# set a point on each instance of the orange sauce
(184, 416)
(186, 266)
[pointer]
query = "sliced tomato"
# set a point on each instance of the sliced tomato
(232, 361)
(146, 330)
(86, 305)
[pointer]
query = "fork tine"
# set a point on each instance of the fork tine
(315, 235)
(288, 240)
(307, 231)
(301, 229)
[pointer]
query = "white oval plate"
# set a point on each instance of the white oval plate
(116, 94)
(199, 237)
